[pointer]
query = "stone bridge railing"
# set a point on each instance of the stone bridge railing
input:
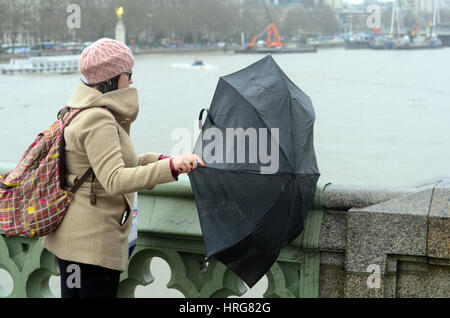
(357, 242)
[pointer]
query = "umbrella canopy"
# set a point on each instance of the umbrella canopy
(261, 172)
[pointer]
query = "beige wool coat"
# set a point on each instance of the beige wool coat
(100, 139)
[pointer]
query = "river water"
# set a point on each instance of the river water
(382, 117)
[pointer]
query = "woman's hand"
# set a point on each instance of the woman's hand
(187, 162)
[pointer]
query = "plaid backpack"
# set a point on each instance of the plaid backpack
(32, 196)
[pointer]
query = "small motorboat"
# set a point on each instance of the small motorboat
(197, 62)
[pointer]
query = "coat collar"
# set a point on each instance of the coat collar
(124, 103)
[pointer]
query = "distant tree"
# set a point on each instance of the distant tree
(149, 21)
(317, 20)
(13, 16)
(3, 21)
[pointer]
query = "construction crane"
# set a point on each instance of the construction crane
(270, 30)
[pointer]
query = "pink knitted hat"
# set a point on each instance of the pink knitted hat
(105, 59)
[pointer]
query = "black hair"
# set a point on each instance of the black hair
(107, 86)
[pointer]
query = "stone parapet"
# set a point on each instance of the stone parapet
(357, 242)
(386, 242)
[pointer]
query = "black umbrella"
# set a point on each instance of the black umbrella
(261, 173)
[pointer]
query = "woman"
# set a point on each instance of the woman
(92, 239)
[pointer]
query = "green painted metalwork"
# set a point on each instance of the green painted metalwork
(169, 228)
(30, 266)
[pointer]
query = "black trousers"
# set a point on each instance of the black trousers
(80, 280)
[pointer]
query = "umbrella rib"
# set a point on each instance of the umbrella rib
(276, 201)
(250, 171)
(254, 226)
(262, 120)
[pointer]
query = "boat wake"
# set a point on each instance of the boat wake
(205, 67)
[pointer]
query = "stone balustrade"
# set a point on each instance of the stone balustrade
(357, 242)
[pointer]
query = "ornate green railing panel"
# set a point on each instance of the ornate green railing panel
(169, 228)
(30, 265)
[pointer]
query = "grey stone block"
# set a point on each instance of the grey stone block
(439, 222)
(340, 197)
(397, 226)
(333, 233)
(404, 235)
(332, 281)
(422, 280)
(356, 286)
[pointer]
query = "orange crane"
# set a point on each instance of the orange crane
(270, 30)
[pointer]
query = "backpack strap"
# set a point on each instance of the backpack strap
(83, 179)
(63, 112)
(90, 172)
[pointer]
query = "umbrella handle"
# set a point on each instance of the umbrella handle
(204, 263)
(200, 118)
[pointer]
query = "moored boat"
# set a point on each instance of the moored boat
(304, 49)
(359, 41)
(48, 64)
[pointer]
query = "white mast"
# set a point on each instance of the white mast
(436, 13)
(394, 17)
